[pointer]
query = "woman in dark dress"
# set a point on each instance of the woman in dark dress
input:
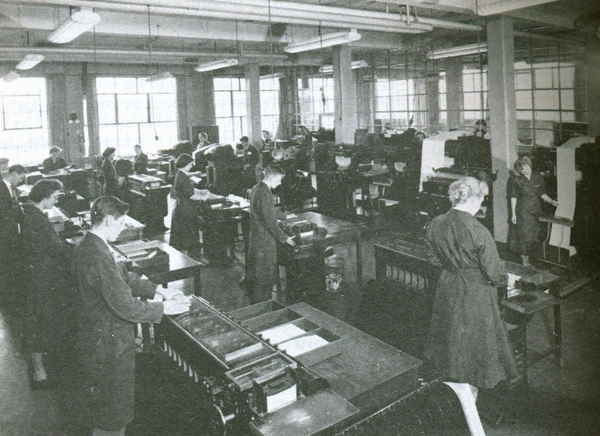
(109, 172)
(185, 232)
(468, 341)
(47, 280)
(525, 189)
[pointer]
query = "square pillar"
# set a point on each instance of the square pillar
(592, 61)
(252, 74)
(454, 88)
(343, 94)
(503, 113)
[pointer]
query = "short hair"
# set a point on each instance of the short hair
(203, 135)
(273, 170)
(44, 188)
(521, 162)
(244, 139)
(481, 123)
(137, 146)
(183, 160)
(3, 161)
(465, 188)
(108, 151)
(55, 149)
(19, 169)
(107, 206)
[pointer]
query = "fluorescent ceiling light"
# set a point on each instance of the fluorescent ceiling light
(463, 50)
(11, 76)
(79, 22)
(273, 76)
(216, 65)
(328, 69)
(30, 61)
(502, 6)
(322, 41)
(159, 77)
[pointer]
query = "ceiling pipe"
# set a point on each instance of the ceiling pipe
(444, 24)
(288, 12)
(116, 52)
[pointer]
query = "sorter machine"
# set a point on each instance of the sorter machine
(446, 158)
(273, 370)
(148, 200)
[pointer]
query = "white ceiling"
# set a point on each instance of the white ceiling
(184, 31)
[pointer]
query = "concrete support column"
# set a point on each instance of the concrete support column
(503, 113)
(593, 86)
(252, 74)
(362, 99)
(343, 93)
(454, 88)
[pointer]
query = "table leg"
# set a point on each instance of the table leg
(558, 333)
(359, 272)
(198, 282)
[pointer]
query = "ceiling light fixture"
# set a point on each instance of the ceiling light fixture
(78, 23)
(328, 69)
(160, 76)
(216, 65)
(463, 50)
(273, 76)
(328, 40)
(11, 76)
(502, 6)
(30, 61)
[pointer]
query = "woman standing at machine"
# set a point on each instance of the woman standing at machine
(261, 259)
(525, 189)
(48, 295)
(185, 230)
(468, 341)
(109, 173)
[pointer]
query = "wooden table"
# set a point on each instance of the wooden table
(180, 266)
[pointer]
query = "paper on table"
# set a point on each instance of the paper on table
(512, 279)
(298, 346)
(282, 333)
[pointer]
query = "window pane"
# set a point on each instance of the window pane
(128, 136)
(133, 108)
(226, 130)
(545, 99)
(105, 85)
(106, 109)
(22, 112)
(222, 104)
(239, 104)
(163, 107)
(524, 100)
(125, 85)
(222, 84)
(108, 136)
(523, 80)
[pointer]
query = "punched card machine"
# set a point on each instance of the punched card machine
(264, 366)
(148, 200)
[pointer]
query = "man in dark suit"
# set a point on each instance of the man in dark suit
(54, 162)
(140, 161)
(11, 215)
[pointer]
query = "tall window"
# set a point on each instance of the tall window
(269, 105)
(475, 94)
(315, 101)
(398, 101)
(551, 102)
(230, 108)
(132, 111)
(443, 109)
(24, 120)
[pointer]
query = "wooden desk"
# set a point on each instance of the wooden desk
(338, 232)
(180, 266)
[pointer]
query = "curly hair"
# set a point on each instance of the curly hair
(465, 188)
(105, 206)
(521, 162)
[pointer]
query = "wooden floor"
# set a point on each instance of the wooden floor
(562, 401)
